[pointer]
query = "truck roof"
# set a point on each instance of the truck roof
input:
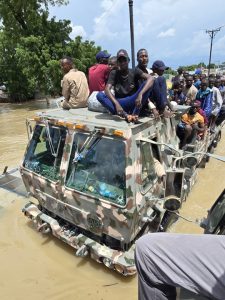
(92, 119)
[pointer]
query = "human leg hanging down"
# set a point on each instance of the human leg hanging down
(165, 261)
(129, 104)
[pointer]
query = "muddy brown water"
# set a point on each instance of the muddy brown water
(37, 267)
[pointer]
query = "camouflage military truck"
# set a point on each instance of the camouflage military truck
(101, 183)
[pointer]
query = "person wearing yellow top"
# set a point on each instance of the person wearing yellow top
(192, 119)
(191, 124)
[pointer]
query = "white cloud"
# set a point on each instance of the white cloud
(104, 24)
(168, 33)
(78, 30)
(106, 4)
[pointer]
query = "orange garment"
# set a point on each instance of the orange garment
(190, 120)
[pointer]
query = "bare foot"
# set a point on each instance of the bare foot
(135, 118)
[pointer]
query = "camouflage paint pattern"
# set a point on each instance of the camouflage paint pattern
(99, 217)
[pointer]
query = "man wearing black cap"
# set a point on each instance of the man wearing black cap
(128, 99)
(98, 74)
(123, 80)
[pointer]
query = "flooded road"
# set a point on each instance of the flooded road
(37, 267)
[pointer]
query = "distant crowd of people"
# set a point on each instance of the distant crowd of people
(130, 93)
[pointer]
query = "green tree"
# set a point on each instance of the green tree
(212, 66)
(170, 71)
(31, 46)
(201, 65)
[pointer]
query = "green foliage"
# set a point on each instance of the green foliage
(193, 67)
(31, 46)
(201, 65)
(170, 71)
(212, 66)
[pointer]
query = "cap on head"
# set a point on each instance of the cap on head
(159, 65)
(101, 55)
(122, 53)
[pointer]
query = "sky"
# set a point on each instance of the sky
(171, 30)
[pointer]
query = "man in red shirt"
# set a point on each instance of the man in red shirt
(98, 74)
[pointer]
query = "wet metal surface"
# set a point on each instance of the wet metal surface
(42, 267)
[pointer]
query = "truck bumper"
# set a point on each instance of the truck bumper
(122, 262)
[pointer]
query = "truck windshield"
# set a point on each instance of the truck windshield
(98, 169)
(45, 151)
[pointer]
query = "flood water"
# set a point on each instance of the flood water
(37, 267)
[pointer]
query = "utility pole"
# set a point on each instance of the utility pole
(212, 34)
(131, 32)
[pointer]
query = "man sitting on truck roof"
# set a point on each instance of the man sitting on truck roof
(142, 59)
(159, 91)
(112, 63)
(99, 73)
(74, 85)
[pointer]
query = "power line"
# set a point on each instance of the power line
(212, 33)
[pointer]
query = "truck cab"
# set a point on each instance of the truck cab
(101, 183)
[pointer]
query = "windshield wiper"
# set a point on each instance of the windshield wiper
(88, 145)
(52, 150)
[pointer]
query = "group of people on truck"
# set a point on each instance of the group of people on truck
(163, 261)
(121, 90)
(206, 98)
(129, 93)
